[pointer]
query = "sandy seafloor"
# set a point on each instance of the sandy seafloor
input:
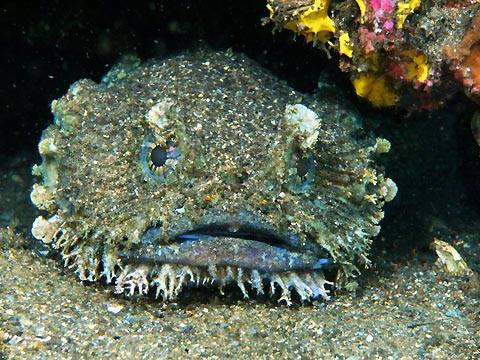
(405, 308)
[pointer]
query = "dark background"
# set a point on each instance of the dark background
(47, 45)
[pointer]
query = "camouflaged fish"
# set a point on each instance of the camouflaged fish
(205, 169)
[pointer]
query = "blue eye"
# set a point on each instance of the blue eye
(159, 158)
(301, 170)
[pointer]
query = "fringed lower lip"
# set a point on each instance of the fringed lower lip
(220, 257)
(221, 246)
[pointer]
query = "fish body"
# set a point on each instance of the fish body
(204, 167)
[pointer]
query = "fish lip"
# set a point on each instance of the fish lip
(235, 230)
(210, 254)
(255, 231)
(223, 236)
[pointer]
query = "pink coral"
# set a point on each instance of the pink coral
(382, 6)
(383, 12)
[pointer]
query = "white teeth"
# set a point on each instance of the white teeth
(169, 279)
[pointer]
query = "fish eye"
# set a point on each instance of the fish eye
(301, 169)
(159, 158)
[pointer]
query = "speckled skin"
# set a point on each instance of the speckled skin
(233, 134)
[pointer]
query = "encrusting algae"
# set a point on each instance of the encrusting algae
(422, 49)
(204, 168)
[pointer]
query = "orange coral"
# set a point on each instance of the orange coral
(472, 63)
(465, 59)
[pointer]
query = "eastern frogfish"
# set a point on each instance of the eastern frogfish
(205, 169)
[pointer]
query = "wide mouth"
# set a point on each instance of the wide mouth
(239, 231)
(231, 244)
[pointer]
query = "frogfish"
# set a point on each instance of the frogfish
(205, 169)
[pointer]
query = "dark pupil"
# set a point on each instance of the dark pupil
(158, 156)
(303, 166)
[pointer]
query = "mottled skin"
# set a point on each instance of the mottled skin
(231, 161)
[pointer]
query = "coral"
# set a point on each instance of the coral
(312, 21)
(465, 59)
(204, 168)
(375, 89)
(472, 63)
(412, 42)
(346, 47)
(362, 7)
(383, 11)
(416, 67)
(404, 9)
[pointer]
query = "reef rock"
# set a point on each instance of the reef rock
(413, 54)
(206, 168)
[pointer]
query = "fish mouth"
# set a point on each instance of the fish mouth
(244, 246)
(251, 256)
